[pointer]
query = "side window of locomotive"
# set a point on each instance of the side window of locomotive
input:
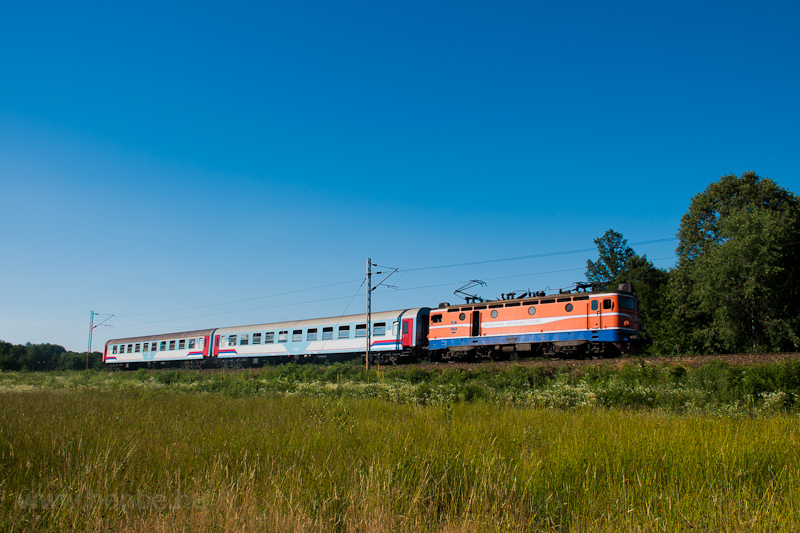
(607, 304)
(379, 329)
(435, 319)
(595, 306)
(327, 334)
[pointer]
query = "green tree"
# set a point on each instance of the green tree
(613, 255)
(619, 263)
(737, 284)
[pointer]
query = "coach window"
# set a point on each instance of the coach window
(396, 328)
(311, 334)
(146, 347)
(283, 336)
(531, 310)
(130, 348)
(568, 308)
(344, 332)
(244, 340)
(113, 349)
(327, 334)
(182, 344)
(379, 328)
(361, 330)
(163, 346)
(297, 335)
(256, 338)
(269, 337)
(232, 340)
(171, 345)
(192, 343)
(138, 346)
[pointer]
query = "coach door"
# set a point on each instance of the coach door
(408, 332)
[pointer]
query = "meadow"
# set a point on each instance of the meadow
(299, 448)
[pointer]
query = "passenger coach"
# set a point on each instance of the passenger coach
(396, 336)
(189, 347)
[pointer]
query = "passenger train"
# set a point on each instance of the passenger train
(575, 323)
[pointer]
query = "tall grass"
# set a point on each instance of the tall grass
(152, 459)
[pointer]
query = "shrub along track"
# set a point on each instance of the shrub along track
(741, 359)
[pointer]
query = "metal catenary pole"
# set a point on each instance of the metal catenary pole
(91, 329)
(369, 307)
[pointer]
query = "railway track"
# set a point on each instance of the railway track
(686, 360)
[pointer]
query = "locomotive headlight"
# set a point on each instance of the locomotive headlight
(626, 323)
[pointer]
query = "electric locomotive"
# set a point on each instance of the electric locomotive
(570, 324)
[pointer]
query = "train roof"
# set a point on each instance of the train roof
(536, 298)
(379, 316)
(164, 337)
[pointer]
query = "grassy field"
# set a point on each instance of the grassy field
(240, 452)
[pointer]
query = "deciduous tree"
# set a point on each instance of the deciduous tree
(737, 284)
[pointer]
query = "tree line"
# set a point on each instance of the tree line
(36, 357)
(736, 285)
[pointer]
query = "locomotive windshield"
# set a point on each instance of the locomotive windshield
(627, 303)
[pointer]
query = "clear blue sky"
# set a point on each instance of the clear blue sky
(180, 165)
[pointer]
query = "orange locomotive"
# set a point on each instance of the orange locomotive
(570, 324)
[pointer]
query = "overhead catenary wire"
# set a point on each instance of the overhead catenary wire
(401, 271)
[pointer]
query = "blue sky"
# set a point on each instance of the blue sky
(188, 165)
